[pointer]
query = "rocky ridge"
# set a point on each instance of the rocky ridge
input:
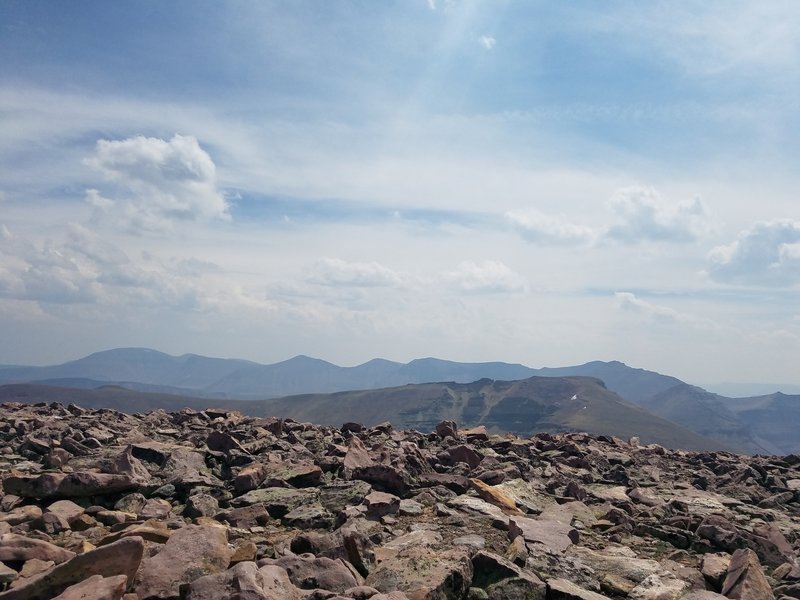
(98, 504)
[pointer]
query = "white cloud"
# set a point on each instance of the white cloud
(643, 215)
(663, 315)
(629, 302)
(488, 276)
(487, 41)
(537, 227)
(158, 182)
(337, 272)
(49, 272)
(767, 254)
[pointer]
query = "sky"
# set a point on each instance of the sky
(545, 183)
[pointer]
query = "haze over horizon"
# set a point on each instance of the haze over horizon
(545, 184)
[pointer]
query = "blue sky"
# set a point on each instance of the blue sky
(537, 182)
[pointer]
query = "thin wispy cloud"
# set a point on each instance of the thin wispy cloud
(487, 41)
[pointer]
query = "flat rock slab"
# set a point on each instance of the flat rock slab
(73, 485)
(96, 587)
(470, 504)
(120, 558)
(555, 535)
(244, 580)
(561, 589)
(190, 552)
(15, 547)
(421, 573)
(606, 563)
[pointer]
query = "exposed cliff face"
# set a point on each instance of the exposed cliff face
(213, 504)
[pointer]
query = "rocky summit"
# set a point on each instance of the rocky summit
(202, 505)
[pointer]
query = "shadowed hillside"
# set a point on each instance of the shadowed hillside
(522, 407)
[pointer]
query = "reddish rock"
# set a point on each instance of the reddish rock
(127, 464)
(464, 454)
(120, 558)
(555, 535)
(422, 573)
(245, 517)
(447, 429)
(21, 514)
(745, 579)
(72, 485)
(381, 503)
(50, 523)
(309, 572)
(96, 587)
(191, 552)
(219, 441)
(357, 456)
(244, 581)
(561, 589)
(66, 509)
(249, 478)
(20, 548)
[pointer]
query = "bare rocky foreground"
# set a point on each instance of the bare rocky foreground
(97, 504)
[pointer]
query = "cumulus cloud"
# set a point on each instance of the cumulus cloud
(81, 268)
(487, 41)
(157, 182)
(643, 215)
(767, 254)
(49, 272)
(337, 272)
(485, 277)
(540, 228)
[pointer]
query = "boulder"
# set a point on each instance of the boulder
(714, 568)
(244, 581)
(66, 509)
(424, 573)
(309, 572)
(655, 587)
(120, 558)
(201, 505)
(73, 485)
(380, 504)
(245, 517)
(96, 587)
(561, 589)
(745, 579)
(21, 514)
(15, 547)
(554, 535)
(489, 569)
(191, 552)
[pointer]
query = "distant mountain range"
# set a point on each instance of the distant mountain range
(763, 424)
(148, 370)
